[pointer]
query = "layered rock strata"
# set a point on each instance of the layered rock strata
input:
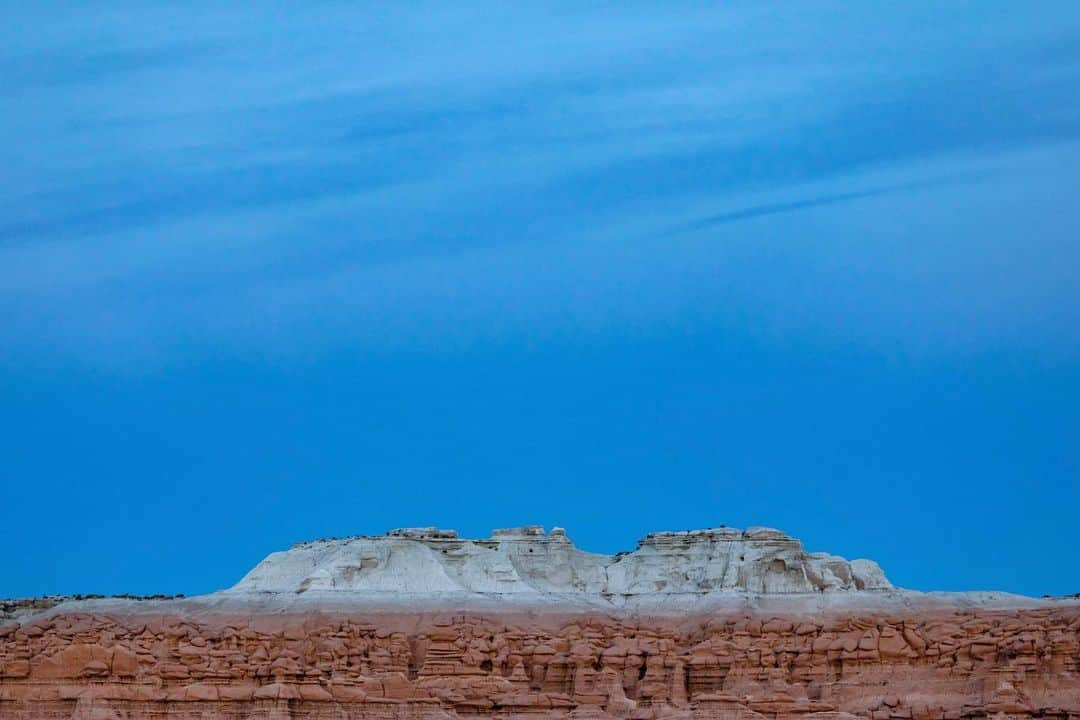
(242, 654)
(525, 565)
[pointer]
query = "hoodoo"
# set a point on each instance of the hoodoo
(420, 623)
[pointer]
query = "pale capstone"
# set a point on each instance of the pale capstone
(524, 563)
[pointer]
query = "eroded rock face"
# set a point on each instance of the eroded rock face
(525, 563)
(509, 627)
(931, 666)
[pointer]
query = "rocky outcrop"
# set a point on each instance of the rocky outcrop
(527, 565)
(930, 666)
(535, 650)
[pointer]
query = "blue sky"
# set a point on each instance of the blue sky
(276, 272)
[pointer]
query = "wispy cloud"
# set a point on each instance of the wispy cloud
(778, 208)
(278, 151)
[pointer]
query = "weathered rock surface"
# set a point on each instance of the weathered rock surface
(239, 654)
(524, 564)
(930, 666)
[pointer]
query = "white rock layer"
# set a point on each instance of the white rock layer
(524, 564)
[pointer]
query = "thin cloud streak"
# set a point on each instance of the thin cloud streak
(779, 208)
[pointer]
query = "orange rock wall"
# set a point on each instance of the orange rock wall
(934, 666)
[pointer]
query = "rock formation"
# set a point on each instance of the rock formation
(525, 565)
(423, 624)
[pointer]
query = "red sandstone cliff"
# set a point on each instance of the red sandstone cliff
(177, 660)
(929, 666)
